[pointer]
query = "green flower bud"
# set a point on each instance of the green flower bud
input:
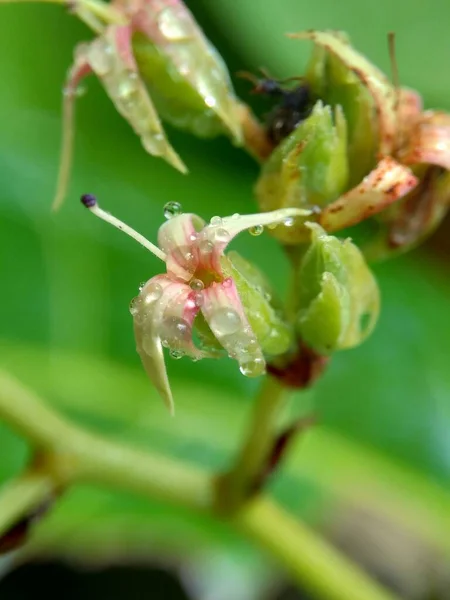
(308, 169)
(339, 297)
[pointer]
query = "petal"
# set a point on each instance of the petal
(383, 93)
(178, 237)
(224, 313)
(148, 343)
(409, 111)
(111, 58)
(219, 233)
(388, 182)
(429, 141)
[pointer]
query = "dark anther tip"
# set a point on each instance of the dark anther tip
(88, 200)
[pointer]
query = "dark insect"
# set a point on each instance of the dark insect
(294, 106)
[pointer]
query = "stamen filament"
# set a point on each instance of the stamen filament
(90, 202)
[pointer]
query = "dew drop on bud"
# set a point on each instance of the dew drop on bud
(225, 321)
(176, 354)
(288, 221)
(172, 209)
(141, 285)
(256, 230)
(253, 368)
(197, 285)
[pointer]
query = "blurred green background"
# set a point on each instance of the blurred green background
(375, 472)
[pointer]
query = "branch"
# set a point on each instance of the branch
(309, 559)
(22, 496)
(72, 454)
(236, 485)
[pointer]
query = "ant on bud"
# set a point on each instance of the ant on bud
(295, 104)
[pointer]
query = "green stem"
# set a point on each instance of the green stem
(68, 454)
(73, 454)
(237, 484)
(22, 496)
(310, 560)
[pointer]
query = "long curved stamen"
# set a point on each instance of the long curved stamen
(90, 202)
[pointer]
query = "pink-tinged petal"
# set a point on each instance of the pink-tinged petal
(224, 313)
(429, 142)
(383, 93)
(77, 72)
(146, 309)
(216, 236)
(178, 238)
(111, 58)
(388, 182)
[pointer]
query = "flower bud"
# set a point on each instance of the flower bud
(339, 297)
(186, 77)
(308, 169)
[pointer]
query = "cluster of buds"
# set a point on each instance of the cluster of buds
(366, 153)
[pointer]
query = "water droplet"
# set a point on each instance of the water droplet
(288, 221)
(227, 282)
(141, 285)
(198, 299)
(152, 293)
(135, 305)
(172, 209)
(267, 296)
(216, 221)
(196, 285)
(225, 321)
(176, 354)
(100, 57)
(193, 237)
(206, 247)
(171, 28)
(253, 368)
(221, 235)
(127, 86)
(236, 216)
(173, 331)
(256, 230)
(272, 225)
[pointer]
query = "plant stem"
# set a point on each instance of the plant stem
(237, 484)
(22, 496)
(68, 454)
(310, 560)
(73, 454)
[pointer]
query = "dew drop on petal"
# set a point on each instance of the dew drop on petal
(253, 367)
(225, 321)
(236, 216)
(100, 57)
(216, 221)
(176, 354)
(193, 237)
(141, 285)
(196, 285)
(256, 230)
(221, 235)
(174, 331)
(206, 247)
(153, 293)
(135, 305)
(198, 299)
(172, 209)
